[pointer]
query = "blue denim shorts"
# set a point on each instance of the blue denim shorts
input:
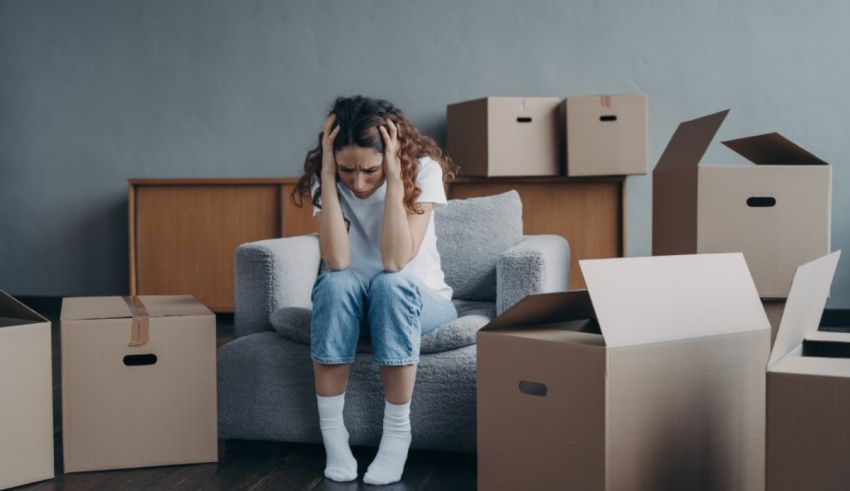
(393, 309)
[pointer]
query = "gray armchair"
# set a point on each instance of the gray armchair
(265, 377)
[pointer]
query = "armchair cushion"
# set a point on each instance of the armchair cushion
(471, 236)
(293, 323)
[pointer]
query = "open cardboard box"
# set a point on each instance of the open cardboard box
(777, 212)
(26, 395)
(136, 400)
(653, 378)
(808, 390)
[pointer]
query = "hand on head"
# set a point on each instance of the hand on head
(392, 163)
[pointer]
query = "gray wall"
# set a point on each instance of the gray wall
(95, 92)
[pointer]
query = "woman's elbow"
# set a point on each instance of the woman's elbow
(394, 265)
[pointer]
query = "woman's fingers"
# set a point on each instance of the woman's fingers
(329, 121)
(393, 129)
(385, 136)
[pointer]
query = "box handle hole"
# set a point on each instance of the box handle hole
(523, 119)
(139, 360)
(761, 202)
(608, 117)
(532, 388)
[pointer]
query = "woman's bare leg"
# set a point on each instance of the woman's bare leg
(398, 382)
(331, 380)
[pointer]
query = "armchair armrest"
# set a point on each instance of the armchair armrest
(537, 264)
(271, 274)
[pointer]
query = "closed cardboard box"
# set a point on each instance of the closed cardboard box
(651, 379)
(26, 395)
(777, 212)
(138, 382)
(605, 135)
(808, 391)
(505, 136)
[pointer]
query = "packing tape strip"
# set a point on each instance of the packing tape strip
(140, 332)
(605, 100)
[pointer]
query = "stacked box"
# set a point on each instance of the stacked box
(504, 136)
(543, 136)
(605, 135)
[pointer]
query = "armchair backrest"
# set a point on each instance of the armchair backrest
(471, 235)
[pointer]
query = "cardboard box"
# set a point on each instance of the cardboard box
(26, 395)
(651, 379)
(808, 390)
(505, 136)
(776, 212)
(138, 382)
(605, 135)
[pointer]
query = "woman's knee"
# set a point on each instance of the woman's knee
(338, 283)
(386, 282)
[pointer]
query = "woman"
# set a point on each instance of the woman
(374, 181)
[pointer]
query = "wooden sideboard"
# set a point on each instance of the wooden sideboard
(183, 232)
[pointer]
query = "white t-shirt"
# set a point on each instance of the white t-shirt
(366, 217)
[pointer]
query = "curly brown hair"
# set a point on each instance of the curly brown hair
(359, 118)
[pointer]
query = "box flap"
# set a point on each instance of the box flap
(690, 141)
(804, 307)
(545, 308)
(164, 305)
(772, 149)
(11, 307)
(114, 307)
(643, 300)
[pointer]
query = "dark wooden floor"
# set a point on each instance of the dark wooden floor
(247, 464)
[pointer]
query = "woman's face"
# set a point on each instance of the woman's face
(361, 169)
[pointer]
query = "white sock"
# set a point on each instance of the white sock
(341, 464)
(395, 441)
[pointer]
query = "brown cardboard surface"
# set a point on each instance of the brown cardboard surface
(120, 416)
(778, 213)
(674, 204)
(808, 397)
(77, 308)
(690, 141)
(773, 309)
(505, 136)
(26, 395)
(647, 407)
(642, 300)
(605, 135)
(521, 443)
(805, 304)
(771, 149)
(546, 308)
(774, 240)
(688, 414)
(808, 434)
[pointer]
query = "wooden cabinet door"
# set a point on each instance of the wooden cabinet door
(185, 236)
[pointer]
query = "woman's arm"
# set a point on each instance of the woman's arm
(401, 232)
(333, 235)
